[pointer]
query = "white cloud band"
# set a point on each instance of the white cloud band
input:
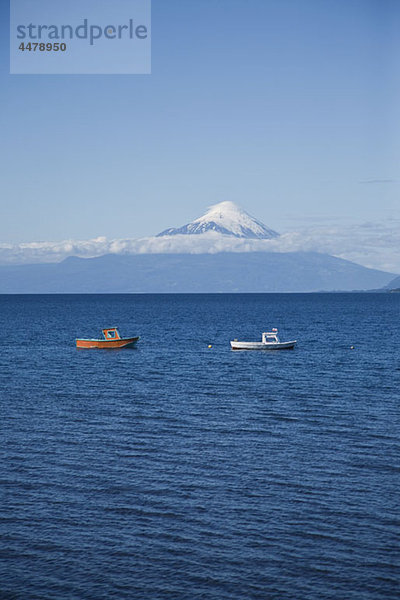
(372, 245)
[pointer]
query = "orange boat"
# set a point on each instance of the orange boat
(111, 339)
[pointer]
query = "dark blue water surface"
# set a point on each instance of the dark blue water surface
(177, 471)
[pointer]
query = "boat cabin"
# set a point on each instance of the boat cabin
(111, 334)
(270, 337)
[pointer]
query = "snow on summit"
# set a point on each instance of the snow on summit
(226, 218)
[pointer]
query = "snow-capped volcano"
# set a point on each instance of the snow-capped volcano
(226, 218)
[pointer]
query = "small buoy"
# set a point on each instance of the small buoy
(351, 347)
(209, 345)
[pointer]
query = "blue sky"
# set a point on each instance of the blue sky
(288, 107)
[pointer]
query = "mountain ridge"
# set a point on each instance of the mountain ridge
(248, 272)
(230, 260)
(393, 284)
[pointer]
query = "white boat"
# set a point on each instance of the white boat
(269, 341)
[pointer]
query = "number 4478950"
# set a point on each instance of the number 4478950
(42, 47)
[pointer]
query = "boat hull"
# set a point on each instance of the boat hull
(108, 344)
(262, 346)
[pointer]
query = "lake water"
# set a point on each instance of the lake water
(177, 471)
